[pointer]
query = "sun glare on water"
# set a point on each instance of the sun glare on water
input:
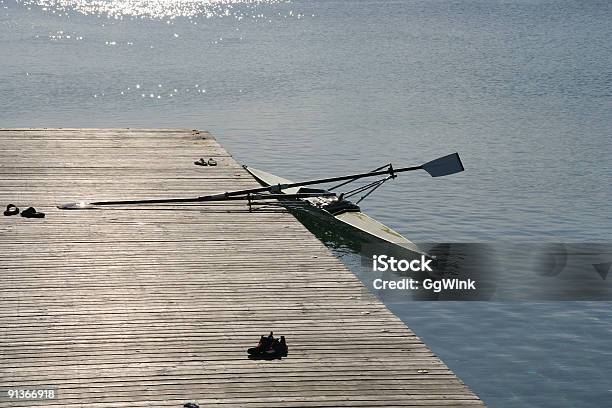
(156, 9)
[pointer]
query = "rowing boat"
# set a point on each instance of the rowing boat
(325, 201)
(346, 212)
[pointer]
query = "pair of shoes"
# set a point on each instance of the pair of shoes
(202, 162)
(29, 212)
(269, 348)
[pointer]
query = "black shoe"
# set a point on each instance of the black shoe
(283, 346)
(11, 209)
(280, 347)
(263, 343)
(191, 405)
(31, 212)
(200, 162)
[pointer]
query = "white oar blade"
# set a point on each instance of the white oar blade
(76, 206)
(444, 166)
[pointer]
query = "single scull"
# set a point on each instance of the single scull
(327, 201)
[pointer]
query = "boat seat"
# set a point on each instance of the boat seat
(341, 206)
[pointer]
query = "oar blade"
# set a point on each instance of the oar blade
(444, 166)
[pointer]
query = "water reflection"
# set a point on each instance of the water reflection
(344, 242)
(502, 271)
(156, 9)
(355, 249)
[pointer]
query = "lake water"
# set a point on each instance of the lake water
(521, 88)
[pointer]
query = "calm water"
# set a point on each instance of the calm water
(522, 89)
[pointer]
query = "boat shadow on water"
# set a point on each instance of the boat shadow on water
(502, 271)
(357, 249)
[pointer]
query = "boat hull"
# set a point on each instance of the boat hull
(356, 220)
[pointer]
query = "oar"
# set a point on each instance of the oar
(210, 198)
(442, 166)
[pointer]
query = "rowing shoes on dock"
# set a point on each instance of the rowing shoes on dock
(324, 200)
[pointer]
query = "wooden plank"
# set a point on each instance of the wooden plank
(155, 305)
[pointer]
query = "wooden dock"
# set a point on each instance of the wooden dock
(155, 307)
